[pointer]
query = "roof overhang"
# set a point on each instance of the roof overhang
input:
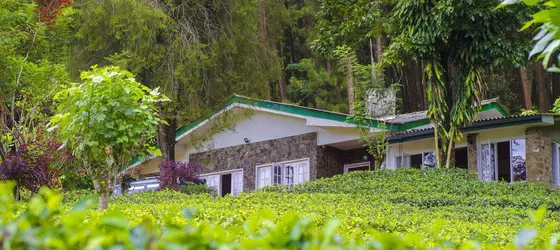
(534, 120)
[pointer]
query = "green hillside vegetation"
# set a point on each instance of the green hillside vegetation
(419, 208)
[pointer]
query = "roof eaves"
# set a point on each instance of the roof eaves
(486, 105)
(477, 125)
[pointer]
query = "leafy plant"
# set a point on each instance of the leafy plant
(35, 164)
(365, 219)
(195, 188)
(107, 120)
(173, 173)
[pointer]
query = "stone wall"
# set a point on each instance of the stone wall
(250, 155)
(329, 161)
(358, 155)
(538, 149)
(472, 153)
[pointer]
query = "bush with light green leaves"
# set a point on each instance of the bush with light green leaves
(43, 223)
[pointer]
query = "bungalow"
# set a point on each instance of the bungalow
(249, 144)
(496, 147)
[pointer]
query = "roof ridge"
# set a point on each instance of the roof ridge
(291, 104)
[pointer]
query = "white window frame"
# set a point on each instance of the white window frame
(407, 156)
(357, 165)
(495, 142)
(282, 178)
(219, 191)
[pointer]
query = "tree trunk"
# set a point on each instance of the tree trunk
(281, 82)
(350, 81)
(372, 60)
(451, 78)
(423, 79)
(541, 91)
(166, 138)
(450, 149)
(525, 91)
(378, 49)
(262, 40)
(329, 66)
(16, 193)
(555, 87)
(378, 53)
(103, 201)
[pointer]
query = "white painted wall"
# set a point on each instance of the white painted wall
(414, 147)
(427, 145)
(258, 126)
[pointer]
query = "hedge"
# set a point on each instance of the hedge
(362, 210)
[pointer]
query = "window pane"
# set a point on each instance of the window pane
(289, 175)
(277, 176)
(398, 162)
(488, 163)
(429, 160)
(519, 168)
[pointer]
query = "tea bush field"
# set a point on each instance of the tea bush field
(448, 208)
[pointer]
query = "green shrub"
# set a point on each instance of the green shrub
(433, 188)
(193, 188)
(435, 207)
(44, 224)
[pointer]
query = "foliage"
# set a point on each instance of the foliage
(106, 120)
(36, 164)
(556, 106)
(173, 173)
(436, 204)
(456, 40)
(45, 223)
(31, 69)
(74, 177)
(533, 111)
(50, 9)
(548, 37)
(194, 188)
(348, 23)
(315, 87)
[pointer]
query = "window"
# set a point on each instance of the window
(227, 182)
(286, 173)
(420, 160)
(504, 161)
(402, 161)
(362, 166)
(289, 175)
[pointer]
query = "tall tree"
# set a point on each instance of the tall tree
(456, 40)
(199, 52)
(32, 68)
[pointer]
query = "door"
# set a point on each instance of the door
(236, 183)
(213, 181)
(263, 176)
(302, 170)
